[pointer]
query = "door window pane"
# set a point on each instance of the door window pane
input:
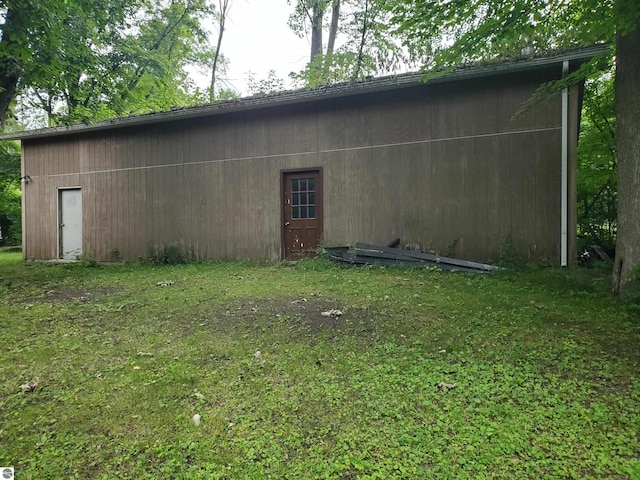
(303, 198)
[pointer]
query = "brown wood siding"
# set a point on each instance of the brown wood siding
(445, 167)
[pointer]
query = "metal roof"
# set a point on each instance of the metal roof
(371, 85)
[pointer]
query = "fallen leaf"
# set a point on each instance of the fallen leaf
(332, 313)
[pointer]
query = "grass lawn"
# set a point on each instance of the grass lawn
(545, 367)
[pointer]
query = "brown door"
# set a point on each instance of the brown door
(302, 216)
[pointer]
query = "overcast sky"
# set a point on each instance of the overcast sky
(258, 39)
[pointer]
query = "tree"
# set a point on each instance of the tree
(150, 63)
(469, 30)
(627, 261)
(68, 76)
(10, 196)
(313, 12)
(369, 38)
(367, 46)
(265, 86)
(597, 169)
(223, 11)
(88, 60)
(28, 29)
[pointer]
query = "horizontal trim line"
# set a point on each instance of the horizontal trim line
(318, 152)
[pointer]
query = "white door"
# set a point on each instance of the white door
(70, 223)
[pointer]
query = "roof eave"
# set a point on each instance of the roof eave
(304, 96)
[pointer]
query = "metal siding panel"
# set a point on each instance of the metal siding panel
(528, 194)
(473, 191)
(476, 206)
(426, 234)
(517, 195)
(441, 192)
(504, 186)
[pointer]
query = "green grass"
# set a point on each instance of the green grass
(546, 368)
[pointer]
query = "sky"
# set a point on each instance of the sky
(258, 39)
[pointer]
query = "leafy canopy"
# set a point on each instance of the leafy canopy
(89, 60)
(452, 32)
(365, 45)
(10, 195)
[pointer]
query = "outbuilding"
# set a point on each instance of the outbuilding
(451, 166)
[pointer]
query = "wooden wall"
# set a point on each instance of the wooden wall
(443, 166)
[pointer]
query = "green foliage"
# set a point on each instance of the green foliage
(226, 94)
(325, 70)
(319, 264)
(94, 60)
(367, 44)
(450, 33)
(301, 14)
(171, 254)
(544, 367)
(153, 62)
(265, 86)
(87, 261)
(10, 194)
(597, 173)
(369, 37)
(509, 253)
(23, 35)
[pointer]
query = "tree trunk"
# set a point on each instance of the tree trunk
(333, 33)
(628, 138)
(224, 10)
(316, 30)
(10, 72)
(10, 67)
(365, 24)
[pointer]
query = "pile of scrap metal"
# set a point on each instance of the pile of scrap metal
(366, 254)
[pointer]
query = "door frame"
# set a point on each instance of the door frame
(59, 191)
(283, 215)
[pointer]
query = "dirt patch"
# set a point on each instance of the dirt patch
(308, 315)
(69, 295)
